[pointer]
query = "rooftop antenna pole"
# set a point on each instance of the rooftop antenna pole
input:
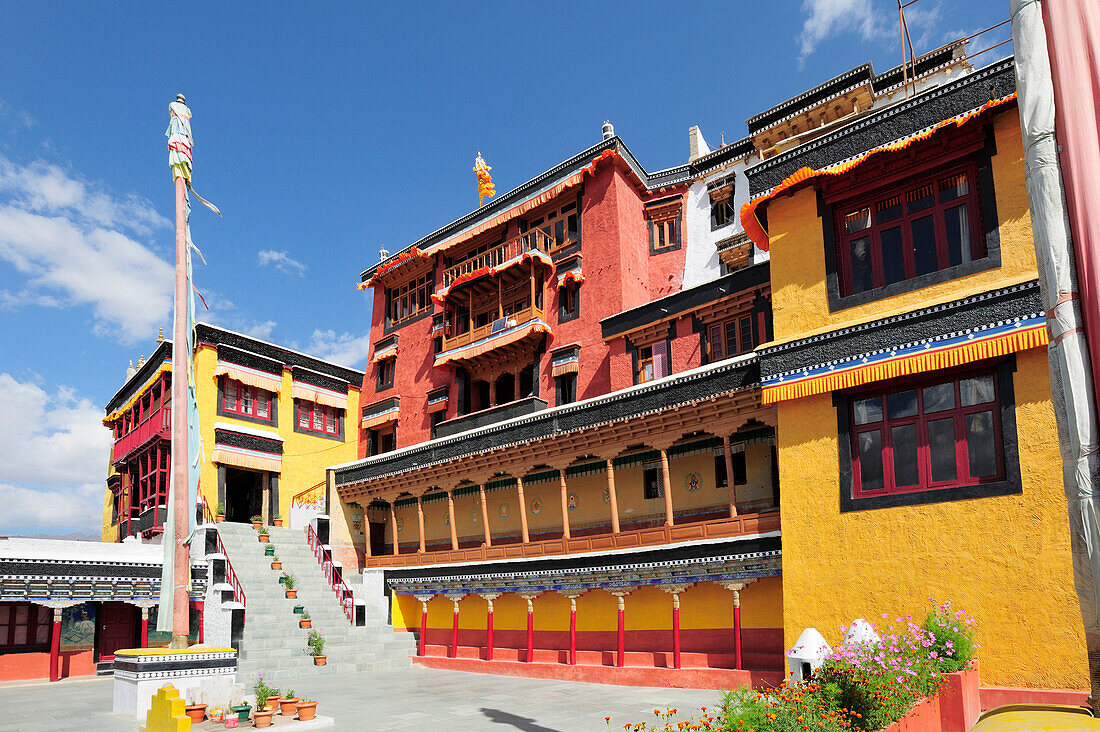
(901, 36)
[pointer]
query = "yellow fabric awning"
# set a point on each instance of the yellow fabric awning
(240, 457)
(250, 376)
(319, 395)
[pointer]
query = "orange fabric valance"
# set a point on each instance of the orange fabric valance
(250, 376)
(377, 420)
(496, 340)
(380, 354)
(319, 395)
(239, 457)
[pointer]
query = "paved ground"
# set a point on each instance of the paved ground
(406, 699)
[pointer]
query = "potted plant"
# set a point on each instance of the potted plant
(278, 520)
(299, 609)
(220, 516)
(288, 704)
(307, 708)
(269, 550)
(242, 711)
(257, 521)
(316, 644)
(262, 716)
(275, 562)
(304, 621)
(264, 537)
(196, 711)
(288, 585)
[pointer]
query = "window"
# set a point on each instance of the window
(722, 213)
(653, 362)
(319, 418)
(645, 364)
(569, 301)
(740, 468)
(567, 388)
(731, 338)
(937, 434)
(436, 418)
(245, 400)
(24, 626)
(920, 228)
(562, 226)
(384, 373)
(409, 300)
(654, 486)
(664, 225)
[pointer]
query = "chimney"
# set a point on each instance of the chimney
(608, 130)
(696, 144)
(130, 370)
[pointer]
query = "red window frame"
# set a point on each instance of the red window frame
(36, 619)
(958, 413)
(312, 414)
(901, 192)
(738, 329)
(245, 400)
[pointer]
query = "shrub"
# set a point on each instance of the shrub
(221, 508)
(287, 580)
(316, 643)
(256, 519)
(264, 531)
(263, 692)
(953, 636)
(290, 695)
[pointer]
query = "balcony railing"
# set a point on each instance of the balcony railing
(494, 326)
(748, 524)
(157, 424)
(500, 254)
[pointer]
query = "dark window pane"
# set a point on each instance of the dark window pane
(924, 245)
(740, 469)
(920, 199)
(870, 460)
(979, 444)
(953, 187)
(572, 221)
(941, 446)
(957, 224)
(867, 410)
(976, 390)
(903, 404)
(746, 334)
(857, 221)
(904, 440)
(939, 397)
(893, 260)
(888, 210)
(862, 274)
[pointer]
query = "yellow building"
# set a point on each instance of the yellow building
(917, 445)
(271, 418)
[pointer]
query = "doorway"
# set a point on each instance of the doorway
(117, 628)
(244, 494)
(376, 535)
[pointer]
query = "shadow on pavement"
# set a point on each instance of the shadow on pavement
(524, 723)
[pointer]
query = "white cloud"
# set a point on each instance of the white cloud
(828, 18)
(52, 511)
(345, 349)
(258, 330)
(68, 240)
(282, 261)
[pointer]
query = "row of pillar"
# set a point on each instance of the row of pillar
(526, 538)
(620, 596)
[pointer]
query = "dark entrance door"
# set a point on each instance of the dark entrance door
(117, 628)
(244, 494)
(377, 537)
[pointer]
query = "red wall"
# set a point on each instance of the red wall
(36, 665)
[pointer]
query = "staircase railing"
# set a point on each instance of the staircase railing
(343, 592)
(230, 573)
(299, 499)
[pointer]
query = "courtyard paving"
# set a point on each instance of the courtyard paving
(415, 698)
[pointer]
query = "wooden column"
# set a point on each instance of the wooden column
(612, 498)
(423, 626)
(485, 516)
(393, 530)
(454, 630)
(668, 487)
(522, 510)
(145, 627)
(564, 504)
(55, 644)
(729, 475)
(420, 522)
(500, 298)
(451, 519)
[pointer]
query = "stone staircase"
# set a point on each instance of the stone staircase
(273, 644)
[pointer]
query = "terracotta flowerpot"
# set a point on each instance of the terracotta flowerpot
(291, 594)
(273, 703)
(305, 623)
(320, 660)
(287, 707)
(219, 517)
(276, 565)
(277, 522)
(306, 710)
(257, 524)
(264, 538)
(262, 719)
(197, 712)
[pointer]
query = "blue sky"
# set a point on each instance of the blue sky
(323, 132)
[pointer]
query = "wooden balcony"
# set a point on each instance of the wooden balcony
(157, 424)
(498, 255)
(494, 326)
(655, 536)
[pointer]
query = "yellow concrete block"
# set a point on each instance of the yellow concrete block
(167, 713)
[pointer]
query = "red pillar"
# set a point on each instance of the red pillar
(620, 656)
(676, 630)
(573, 631)
(737, 629)
(489, 633)
(530, 630)
(423, 626)
(55, 644)
(454, 632)
(144, 627)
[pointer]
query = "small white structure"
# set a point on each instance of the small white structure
(861, 633)
(139, 672)
(807, 655)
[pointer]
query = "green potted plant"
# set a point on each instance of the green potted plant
(220, 516)
(275, 561)
(278, 520)
(288, 704)
(269, 550)
(288, 585)
(299, 609)
(316, 644)
(257, 521)
(263, 692)
(304, 620)
(242, 709)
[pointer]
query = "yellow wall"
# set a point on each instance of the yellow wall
(799, 302)
(1005, 559)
